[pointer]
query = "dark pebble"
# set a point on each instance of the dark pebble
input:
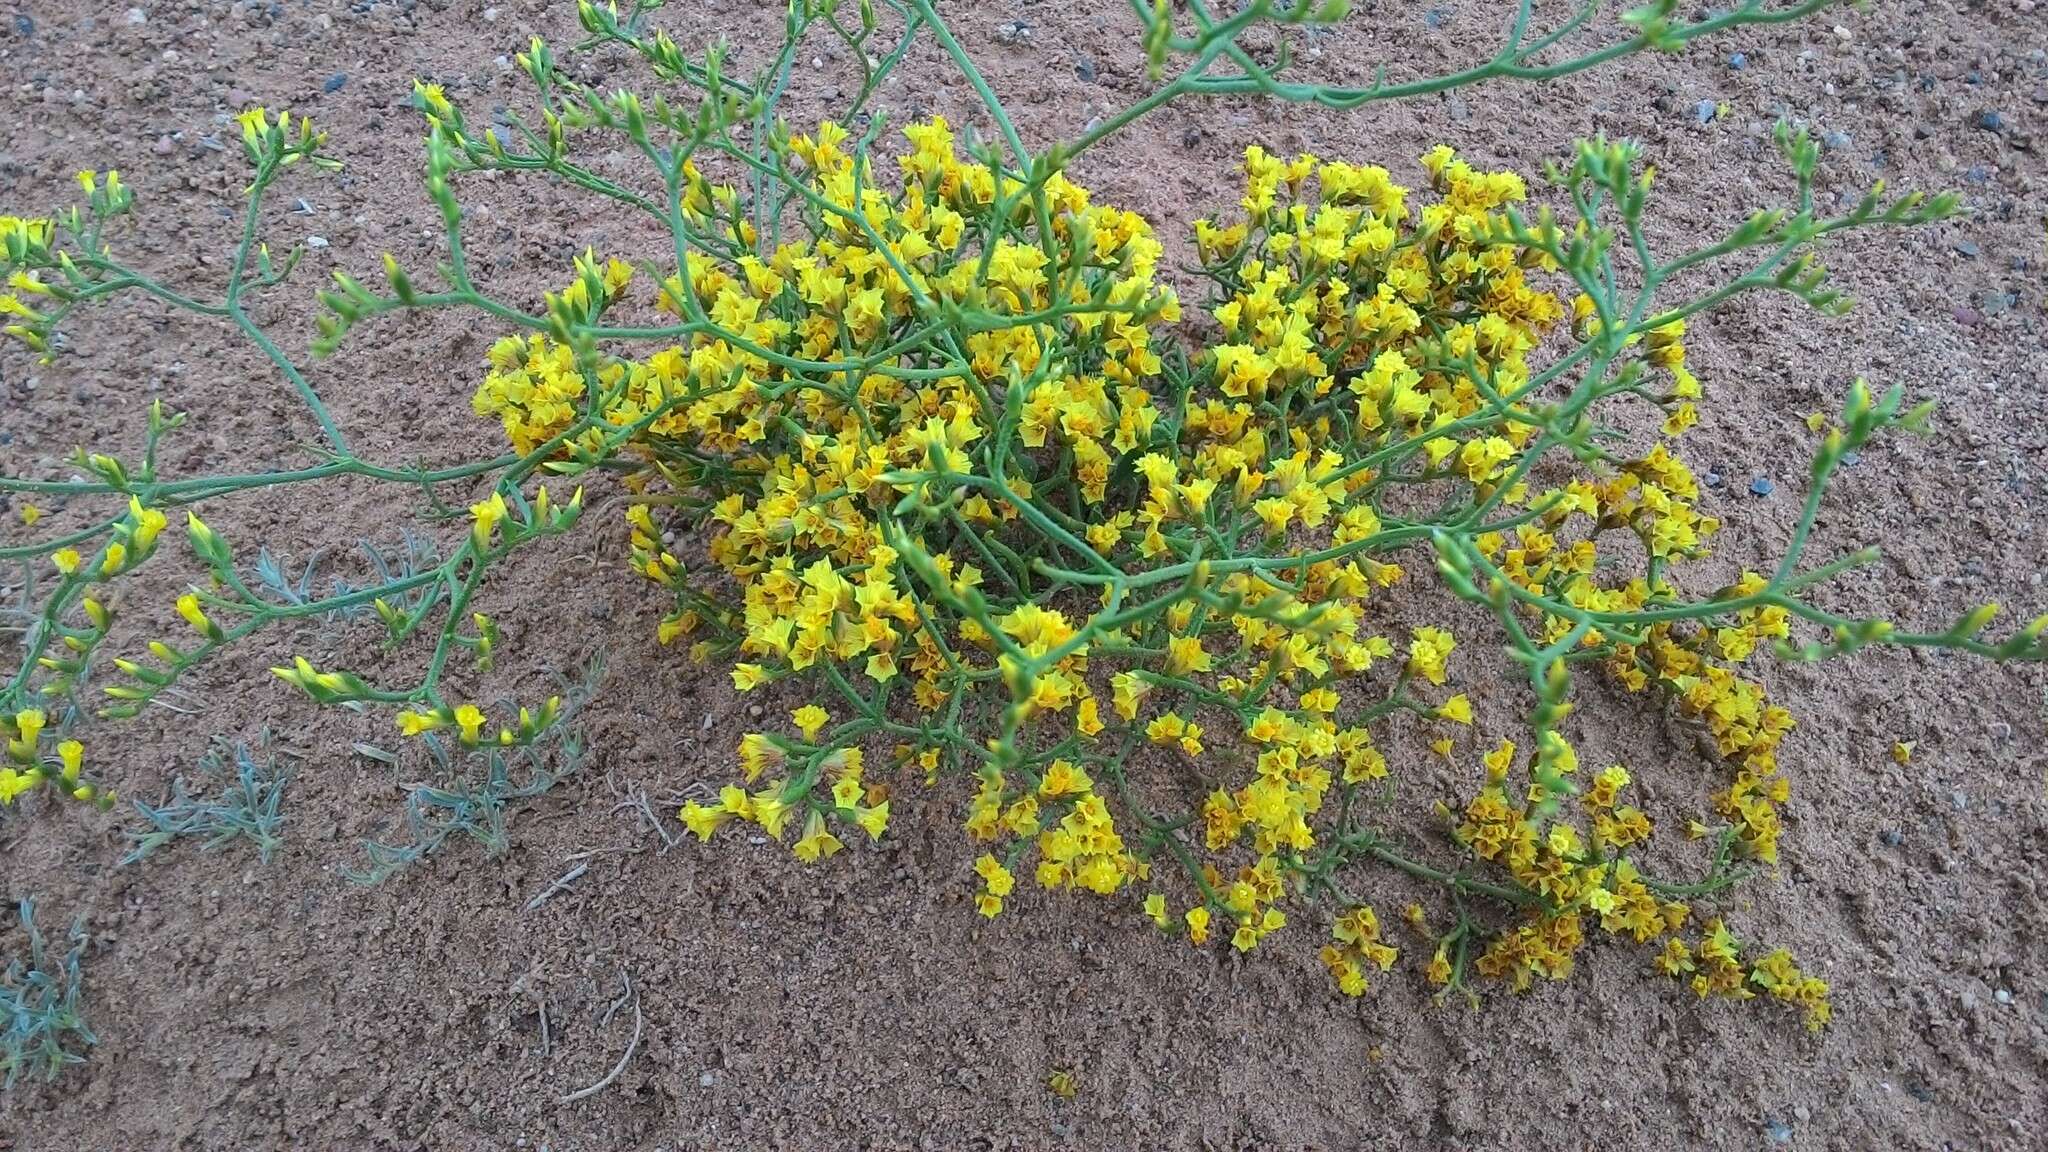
(1084, 67)
(1777, 1131)
(1761, 486)
(1919, 1091)
(1738, 61)
(1892, 837)
(23, 26)
(6, 438)
(1191, 137)
(335, 82)
(1990, 121)
(1966, 248)
(1836, 141)
(1703, 111)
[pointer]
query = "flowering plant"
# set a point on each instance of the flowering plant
(925, 426)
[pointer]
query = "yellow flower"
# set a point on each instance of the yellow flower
(66, 560)
(810, 719)
(1155, 907)
(998, 878)
(847, 792)
(470, 719)
(30, 514)
(1198, 923)
(704, 820)
(413, 723)
(816, 842)
(1902, 752)
(488, 515)
(149, 524)
(1457, 709)
(188, 607)
(873, 820)
(1063, 778)
(1428, 652)
(13, 783)
(769, 811)
(71, 755)
(28, 727)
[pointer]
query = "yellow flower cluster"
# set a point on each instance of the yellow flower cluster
(831, 788)
(899, 516)
(1570, 872)
(27, 764)
(1354, 946)
(1714, 967)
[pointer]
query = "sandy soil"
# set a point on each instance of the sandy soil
(863, 1004)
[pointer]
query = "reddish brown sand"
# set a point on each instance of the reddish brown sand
(863, 1004)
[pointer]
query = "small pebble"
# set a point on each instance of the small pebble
(1737, 61)
(1960, 802)
(1084, 67)
(1850, 459)
(1777, 1131)
(1990, 121)
(137, 16)
(1836, 140)
(1892, 837)
(334, 82)
(1459, 110)
(1967, 317)
(1703, 111)
(1761, 486)
(1713, 479)
(163, 146)
(707, 1078)
(316, 241)
(2002, 995)
(1966, 248)
(23, 26)
(1436, 17)
(490, 15)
